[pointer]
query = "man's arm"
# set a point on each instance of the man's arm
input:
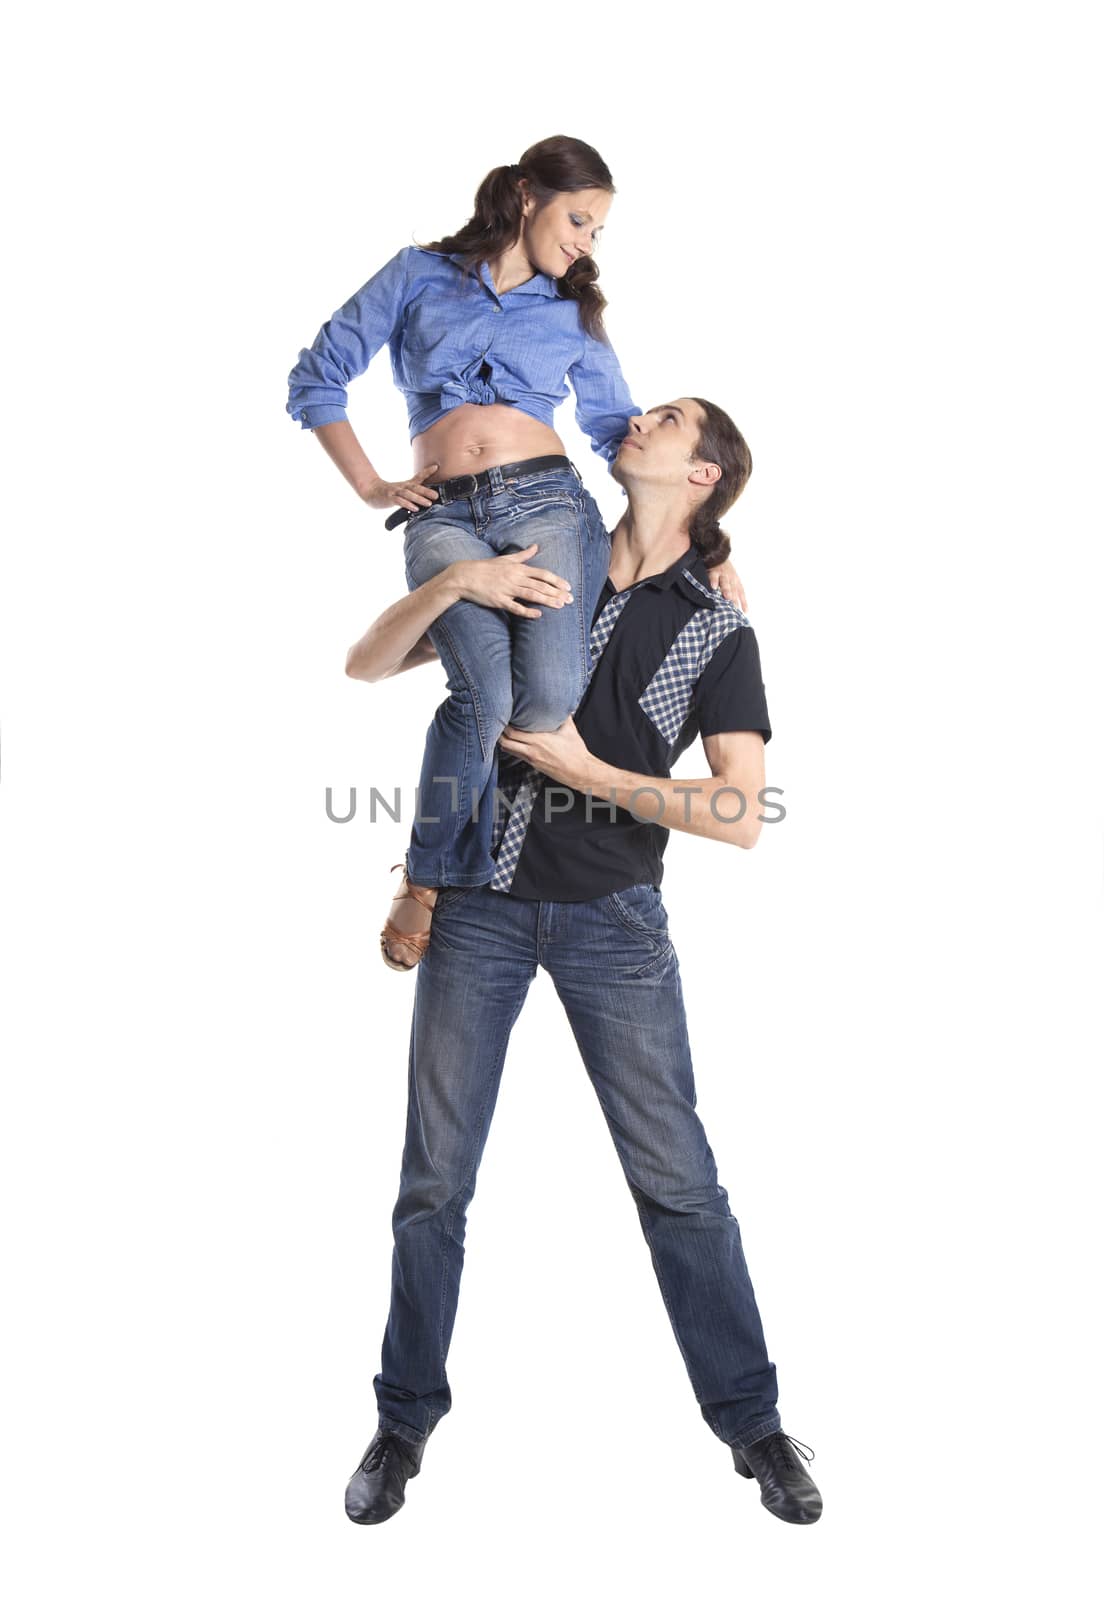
(707, 806)
(724, 807)
(397, 640)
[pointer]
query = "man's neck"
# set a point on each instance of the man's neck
(649, 537)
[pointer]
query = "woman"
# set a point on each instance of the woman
(483, 328)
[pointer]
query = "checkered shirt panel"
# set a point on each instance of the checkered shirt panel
(513, 835)
(666, 700)
(509, 788)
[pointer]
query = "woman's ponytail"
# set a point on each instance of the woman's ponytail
(580, 282)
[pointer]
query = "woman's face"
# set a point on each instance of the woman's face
(566, 227)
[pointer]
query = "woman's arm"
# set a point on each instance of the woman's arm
(603, 404)
(397, 640)
(318, 384)
(344, 346)
(345, 450)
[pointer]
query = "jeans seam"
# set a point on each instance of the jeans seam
(476, 705)
(641, 1213)
(682, 1349)
(492, 1079)
(582, 619)
(582, 629)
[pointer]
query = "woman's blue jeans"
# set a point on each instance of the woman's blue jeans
(501, 667)
(616, 972)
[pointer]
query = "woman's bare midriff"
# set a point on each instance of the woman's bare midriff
(473, 438)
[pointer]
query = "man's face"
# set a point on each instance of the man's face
(659, 446)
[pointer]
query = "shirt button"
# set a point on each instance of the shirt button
(498, 308)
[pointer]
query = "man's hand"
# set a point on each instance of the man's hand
(505, 582)
(560, 753)
(727, 580)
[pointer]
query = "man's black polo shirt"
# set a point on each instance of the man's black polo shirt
(670, 658)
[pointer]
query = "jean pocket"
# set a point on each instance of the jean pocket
(545, 489)
(416, 517)
(640, 908)
(447, 897)
(639, 912)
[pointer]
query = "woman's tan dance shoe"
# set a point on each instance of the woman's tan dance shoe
(416, 943)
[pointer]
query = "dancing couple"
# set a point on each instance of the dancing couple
(580, 665)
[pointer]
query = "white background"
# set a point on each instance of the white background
(868, 231)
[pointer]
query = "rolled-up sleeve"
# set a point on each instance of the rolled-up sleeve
(345, 345)
(603, 404)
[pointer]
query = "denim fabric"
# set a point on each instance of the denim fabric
(615, 970)
(501, 667)
(446, 332)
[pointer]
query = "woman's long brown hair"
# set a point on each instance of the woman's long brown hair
(554, 166)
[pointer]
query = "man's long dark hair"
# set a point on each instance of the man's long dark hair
(554, 166)
(720, 440)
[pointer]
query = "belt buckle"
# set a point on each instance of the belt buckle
(468, 477)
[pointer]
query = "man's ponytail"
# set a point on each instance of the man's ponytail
(713, 544)
(720, 441)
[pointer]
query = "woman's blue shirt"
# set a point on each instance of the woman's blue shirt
(454, 341)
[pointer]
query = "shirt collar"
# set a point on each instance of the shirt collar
(681, 575)
(541, 283)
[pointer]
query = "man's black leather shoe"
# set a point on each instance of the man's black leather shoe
(377, 1488)
(787, 1488)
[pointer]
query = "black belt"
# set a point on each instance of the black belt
(472, 482)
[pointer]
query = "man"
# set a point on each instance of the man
(576, 890)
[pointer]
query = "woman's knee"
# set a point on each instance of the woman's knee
(488, 699)
(541, 707)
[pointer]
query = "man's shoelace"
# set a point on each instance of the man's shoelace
(780, 1449)
(376, 1455)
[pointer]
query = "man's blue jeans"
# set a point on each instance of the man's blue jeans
(501, 667)
(616, 972)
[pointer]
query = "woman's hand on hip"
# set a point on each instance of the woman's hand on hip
(507, 583)
(412, 493)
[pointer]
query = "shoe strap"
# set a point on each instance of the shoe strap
(413, 891)
(418, 942)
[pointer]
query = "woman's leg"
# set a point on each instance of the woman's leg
(451, 833)
(500, 667)
(551, 654)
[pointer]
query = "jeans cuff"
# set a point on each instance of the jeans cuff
(429, 876)
(756, 1431)
(389, 1425)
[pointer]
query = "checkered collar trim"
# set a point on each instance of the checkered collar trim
(688, 573)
